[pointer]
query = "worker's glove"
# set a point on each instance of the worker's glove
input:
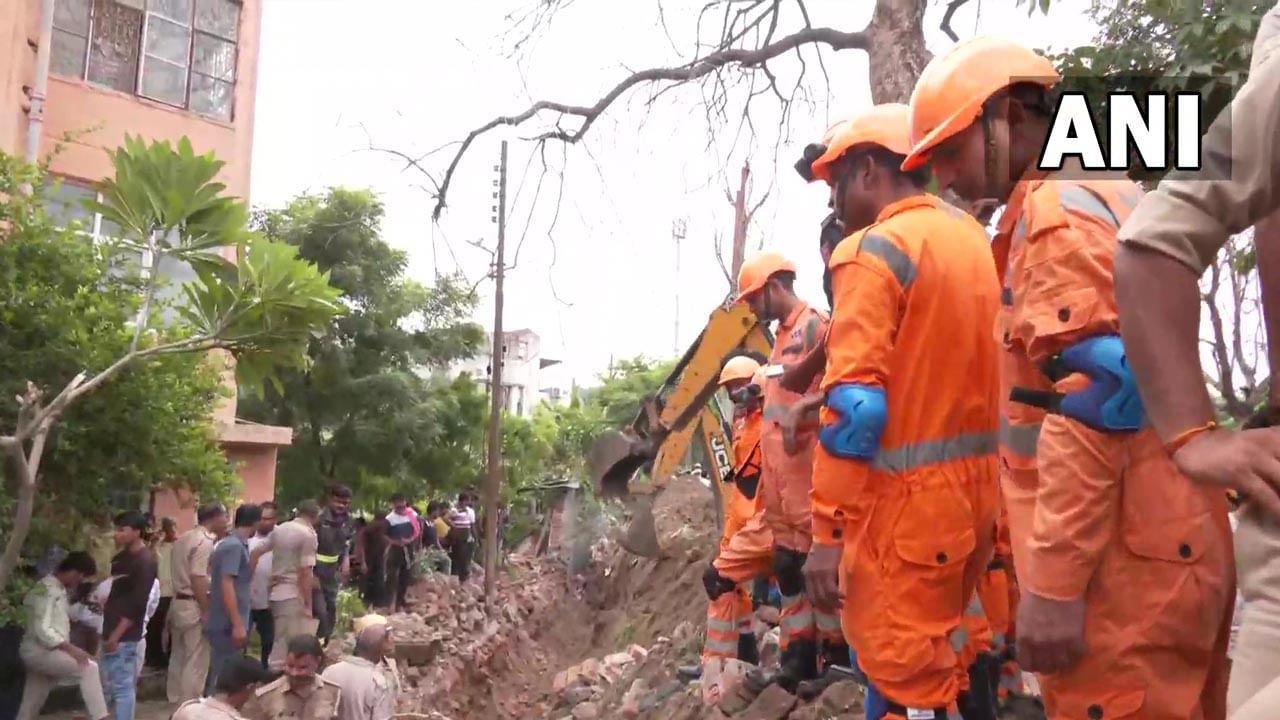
(714, 584)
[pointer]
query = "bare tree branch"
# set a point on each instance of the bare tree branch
(945, 26)
(698, 68)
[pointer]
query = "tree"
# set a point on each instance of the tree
(261, 309)
(148, 428)
(361, 412)
(730, 62)
(624, 387)
(1203, 48)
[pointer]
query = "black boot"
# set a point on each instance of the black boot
(748, 650)
(980, 702)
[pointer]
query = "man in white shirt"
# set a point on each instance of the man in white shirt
(462, 543)
(260, 588)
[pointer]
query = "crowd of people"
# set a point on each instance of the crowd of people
(203, 595)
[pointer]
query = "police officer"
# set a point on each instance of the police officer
(300, 694)
(238, 678)
(333, 559)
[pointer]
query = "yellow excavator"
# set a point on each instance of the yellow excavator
(682, 410)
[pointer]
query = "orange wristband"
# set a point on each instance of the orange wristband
(1187, 436)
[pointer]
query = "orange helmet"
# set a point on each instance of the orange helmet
(813, 151)
(953, 87)
(757, 269)
(886, 125)
(739, 367)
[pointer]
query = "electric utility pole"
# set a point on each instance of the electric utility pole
(493, 479)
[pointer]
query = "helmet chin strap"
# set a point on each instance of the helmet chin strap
(984, 207)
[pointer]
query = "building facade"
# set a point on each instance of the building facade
(522, 366)
(160, 69)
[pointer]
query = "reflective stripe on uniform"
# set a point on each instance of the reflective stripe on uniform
(1082, 200)
(326, 558)
(797, 622)
(899, 264)
(826, 622)
(932, 452)
(1021, 439)
(718, 625)
(721, 647)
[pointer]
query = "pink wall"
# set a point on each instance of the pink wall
(100, 118)
(75, 106)
(256, 465)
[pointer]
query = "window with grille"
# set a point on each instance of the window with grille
(178, 52)
(65, 205)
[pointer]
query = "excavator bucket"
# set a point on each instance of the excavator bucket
(615, 459)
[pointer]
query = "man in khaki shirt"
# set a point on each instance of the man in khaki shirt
(238, 680)
(300, 694)
(293, 557)
(1170, 239)
(368, 693)
(189, 609)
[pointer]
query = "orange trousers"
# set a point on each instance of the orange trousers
(1158, 605)
(911, 576)
(728, 616)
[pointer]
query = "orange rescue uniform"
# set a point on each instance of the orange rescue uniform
(729, 615)
(1103, 516)
(786, 496)
(915, 296)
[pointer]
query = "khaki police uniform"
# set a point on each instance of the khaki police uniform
(280, 700)
(189, 653)
(368, 692)
(1190, 219)
(210, 708)
(293, 547)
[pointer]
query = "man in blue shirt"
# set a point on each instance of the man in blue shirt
(229, 592)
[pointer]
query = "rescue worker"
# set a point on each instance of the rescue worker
(1168, 242)
(334, 533)
(729, 608)
(905, 482)
(237, 681)
(367, 692)
(1116, 551)
(299, 694)
(766, 283)
(189, 610)
(293, 558)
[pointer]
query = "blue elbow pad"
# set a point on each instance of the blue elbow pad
(1111, 403)
(861, 414)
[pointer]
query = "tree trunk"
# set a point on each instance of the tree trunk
(25, 508)
(740, 220)
(897, 54)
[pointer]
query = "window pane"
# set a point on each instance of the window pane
(211, 97)
(68, 54)
(220, 17)
(214, 57)
(179, 10)
(72, 15)
(165, 82)
(113, 49)
(168, 40)
(65, 203)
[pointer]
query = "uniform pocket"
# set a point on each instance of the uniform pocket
(1054, 314)
(933, 537)
(1176, 551)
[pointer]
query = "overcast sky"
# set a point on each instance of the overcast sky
(601, 280)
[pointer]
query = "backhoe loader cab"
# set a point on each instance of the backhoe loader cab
(664, 431)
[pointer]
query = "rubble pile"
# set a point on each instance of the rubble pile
(449, 650)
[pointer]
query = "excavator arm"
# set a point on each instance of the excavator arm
(668, 422)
